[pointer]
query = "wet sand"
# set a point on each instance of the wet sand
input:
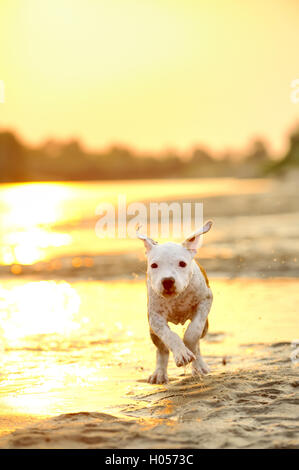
(242, 409)
(98, 396)
(74, 345)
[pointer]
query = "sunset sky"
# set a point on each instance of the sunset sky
(150, 73)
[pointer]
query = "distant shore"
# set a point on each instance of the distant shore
(254, 234)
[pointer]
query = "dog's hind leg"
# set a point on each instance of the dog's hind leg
(199, 366)
(159, 376)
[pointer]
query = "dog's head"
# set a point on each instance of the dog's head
(169, 265)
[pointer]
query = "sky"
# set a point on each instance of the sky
(151, 74)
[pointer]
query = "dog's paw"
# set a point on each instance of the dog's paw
(158, 377)
(199, 367)
(183, 357)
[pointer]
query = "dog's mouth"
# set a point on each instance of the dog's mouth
(169, 292)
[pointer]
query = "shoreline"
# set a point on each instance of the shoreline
(92, 386)
(233, 409)
(131, 266)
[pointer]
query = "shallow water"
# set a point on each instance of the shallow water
(84, 346)
(39, 221)
(70, 342)
(49, 228)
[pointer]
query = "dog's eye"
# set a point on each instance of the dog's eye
(154, 265)
(182, 264)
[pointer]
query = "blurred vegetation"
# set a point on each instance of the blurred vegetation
(69, 161)
(290, 161)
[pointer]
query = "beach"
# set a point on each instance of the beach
(75, 347)
(126, 125)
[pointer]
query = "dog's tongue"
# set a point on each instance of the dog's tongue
(168, 292)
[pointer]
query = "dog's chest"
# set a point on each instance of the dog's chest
(182, 308)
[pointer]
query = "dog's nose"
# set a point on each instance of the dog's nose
(168, 282)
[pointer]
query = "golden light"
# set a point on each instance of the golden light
(99, 363)
(30, 205)
(152, 74)
(29, 211)
(37, 308)
(27, 247)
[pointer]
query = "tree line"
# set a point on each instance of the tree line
(69, 161)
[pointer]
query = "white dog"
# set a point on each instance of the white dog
(178, 290)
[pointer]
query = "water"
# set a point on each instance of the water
(85, 346)
(69, 342)
(41, 221)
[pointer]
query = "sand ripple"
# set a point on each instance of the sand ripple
(247, 408)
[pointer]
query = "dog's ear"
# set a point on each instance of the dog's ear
(192, 242)
(148, 242)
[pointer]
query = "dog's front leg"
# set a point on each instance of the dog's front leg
(194, 333)
(159, 376)
(182, 355)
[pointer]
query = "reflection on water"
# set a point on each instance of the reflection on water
(37, 308)
(85, 345)
(42, 220)
(29, 205)
(27, 213)
(27, 247)
(71, 346)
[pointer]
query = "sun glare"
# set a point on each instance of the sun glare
(35, 204)
(29, 212)
(37, 308)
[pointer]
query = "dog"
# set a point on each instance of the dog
(178, 290)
